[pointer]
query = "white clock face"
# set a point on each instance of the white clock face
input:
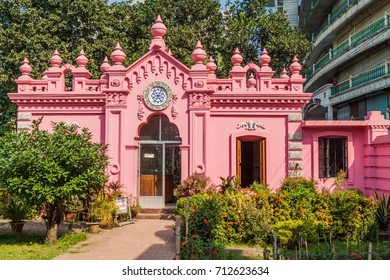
(157, 96)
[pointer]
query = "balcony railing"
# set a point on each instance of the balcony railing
(313, 3)
(370, 75)
(342, 8)
(352, 41)
(369, 31)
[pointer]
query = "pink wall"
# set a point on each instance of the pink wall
(368, 151)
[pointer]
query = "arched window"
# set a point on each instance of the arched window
(160, 129)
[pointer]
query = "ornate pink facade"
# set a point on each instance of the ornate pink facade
(164, 121)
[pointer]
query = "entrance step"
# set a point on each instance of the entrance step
(156, 214)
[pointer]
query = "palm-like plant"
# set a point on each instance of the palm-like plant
(383, 211)
(15, 210)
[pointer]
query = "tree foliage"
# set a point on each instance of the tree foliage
(46, 169)
(35, 28)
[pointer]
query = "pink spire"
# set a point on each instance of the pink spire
(211, 66)
(158, 29)
(237, 58)
(251, 81)
(118, 56)
(55, 60)
(81, 60)
(284, 74)
(198, 55)
(25, 68)
(105, 65)
(265, 59)
(295, 67)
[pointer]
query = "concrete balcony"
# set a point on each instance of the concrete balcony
(313, 13)
(324, 35)
(373, 80)
(322, 71)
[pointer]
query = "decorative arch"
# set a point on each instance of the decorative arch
(159, 128)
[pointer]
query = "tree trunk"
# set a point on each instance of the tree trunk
(51, 235)
(53, 218)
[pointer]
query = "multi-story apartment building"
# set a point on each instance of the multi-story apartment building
(348, 69)
(289, 6)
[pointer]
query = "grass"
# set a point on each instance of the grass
(14, 246)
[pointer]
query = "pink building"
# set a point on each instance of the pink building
(164, 121)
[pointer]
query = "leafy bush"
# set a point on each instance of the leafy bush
(290, 231)
(295, 210)
(196, 183)
(259, 188)
(196, 249)
(353, 214)
(229, 184)
(226, 219)
(102, 209)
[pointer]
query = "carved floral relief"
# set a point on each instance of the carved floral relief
(199, 100)
(116, 99)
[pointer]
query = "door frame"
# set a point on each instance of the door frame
(262, 156)
(153, 201)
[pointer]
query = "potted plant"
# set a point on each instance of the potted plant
(102, 211)
(135, 207)
(16, 211)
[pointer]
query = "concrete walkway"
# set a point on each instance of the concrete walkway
(144, 240)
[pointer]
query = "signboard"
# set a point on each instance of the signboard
(148, 155)
(122, 205)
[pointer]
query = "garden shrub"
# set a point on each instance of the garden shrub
(290, 231)
(195, 249)
(353, 214)
(196, 183)
(260, 188)
(295, 210)
(229, 184)
(232, 218)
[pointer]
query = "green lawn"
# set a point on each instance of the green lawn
(26, 246)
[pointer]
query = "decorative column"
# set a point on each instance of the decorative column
(116, 103)
(81, 73)
(238, 73)
(295, 145)
(296, 80)
(23, 121)
(265, 73)
(55, 75)
(199, 107)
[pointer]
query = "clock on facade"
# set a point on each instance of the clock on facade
(157, 96)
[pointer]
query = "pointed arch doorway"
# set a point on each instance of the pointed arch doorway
(159, 162)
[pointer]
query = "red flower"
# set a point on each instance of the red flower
(205, 221)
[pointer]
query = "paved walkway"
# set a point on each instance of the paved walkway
(144, 240)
